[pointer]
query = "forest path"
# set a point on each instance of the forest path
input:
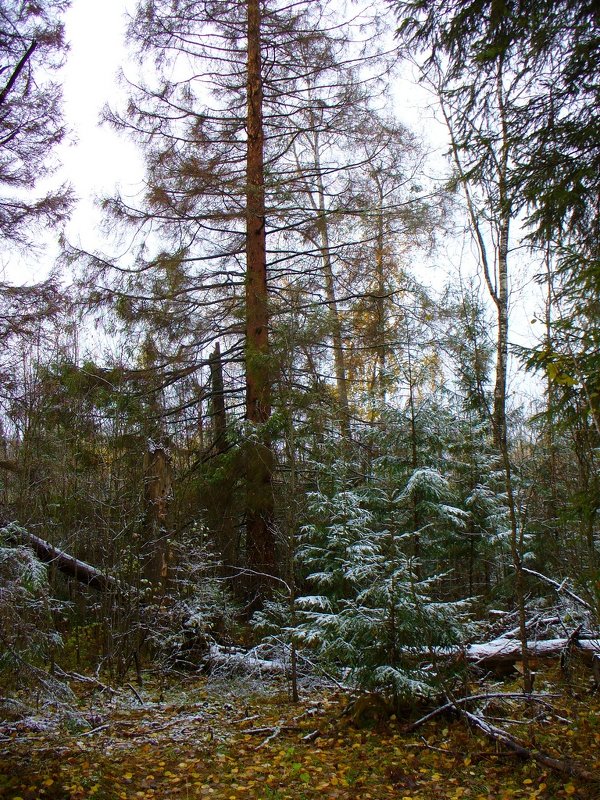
(226, 742)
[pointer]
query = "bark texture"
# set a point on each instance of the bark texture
(260, 540)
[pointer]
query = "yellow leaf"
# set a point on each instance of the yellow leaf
(570, 789)
(48, 782)
(467, 761)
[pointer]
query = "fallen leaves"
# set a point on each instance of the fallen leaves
(201, 750)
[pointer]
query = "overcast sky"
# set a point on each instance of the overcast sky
(98, 158)
(94, 158)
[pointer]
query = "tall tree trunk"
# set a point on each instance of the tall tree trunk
(260, 539)
(341, 382)
(218, 412)
(321, 242)
(379, 368)
(501, 301)
(497, 284)
(218, 493)
(416, 537)
(500, 393)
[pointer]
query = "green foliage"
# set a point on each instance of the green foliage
(374, 613)
(374, 616)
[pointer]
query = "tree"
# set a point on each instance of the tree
(31, 44)
(260, 535)
(218, 120)
(370, 611)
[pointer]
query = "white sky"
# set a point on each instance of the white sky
(99, 158)
(96, 33)
(94, 158)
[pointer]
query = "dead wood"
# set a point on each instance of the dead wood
(452, 704)
(270, 729)
(137, 696)
(75, 676)
(310, 737)
(501, 736)
(558, 587)
(565, 656)
(503, 651)
(67, 564)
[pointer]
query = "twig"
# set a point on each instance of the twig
(138, 698)
(271, 728)
(95, 730)
(310, 737)
(276, 731)
(171, 724)
(309, 712)
(244, 719)
(479, 754)
(437, 749)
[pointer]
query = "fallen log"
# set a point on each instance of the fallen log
(243, 661)
(69, 565)
(505, 651)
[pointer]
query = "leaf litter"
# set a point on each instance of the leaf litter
(197, 738)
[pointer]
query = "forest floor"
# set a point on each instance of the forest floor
(196, 738)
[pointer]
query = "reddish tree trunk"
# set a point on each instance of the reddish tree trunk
(260, 540)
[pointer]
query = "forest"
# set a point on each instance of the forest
(289, 507)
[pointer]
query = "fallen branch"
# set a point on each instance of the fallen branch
(75, 676)
(137, 697)
(453, 704)
(310, 737)
(514, 633)
(69, 565)
(559, 587)
(155, 728)
(506, 650)
(95, 730)
(503, 737)
(274, 734)
(244, 660)
(270, 729)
